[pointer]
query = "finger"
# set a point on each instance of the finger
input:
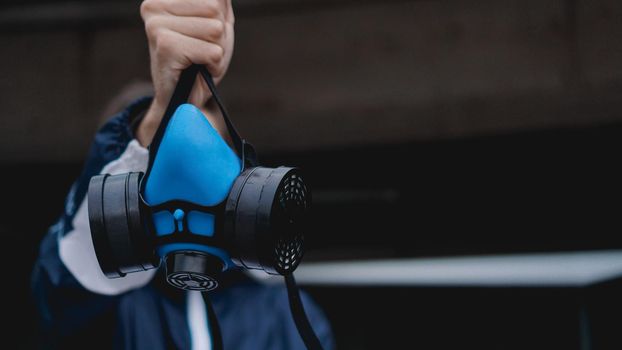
(229, 16)
(207, 29)
(227, 10)
(182, 51)
(191, 8)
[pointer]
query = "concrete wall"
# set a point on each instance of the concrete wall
(313, 75)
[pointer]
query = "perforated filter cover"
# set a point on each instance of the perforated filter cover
(289, 219)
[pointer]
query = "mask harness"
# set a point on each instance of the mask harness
(202, 210)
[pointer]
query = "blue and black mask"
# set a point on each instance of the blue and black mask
(202, 207)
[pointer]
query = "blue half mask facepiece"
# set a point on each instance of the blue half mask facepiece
(196, 166)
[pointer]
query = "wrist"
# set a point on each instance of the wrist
(149, 124)
(216, 119)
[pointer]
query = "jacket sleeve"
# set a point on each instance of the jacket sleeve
(68, 286)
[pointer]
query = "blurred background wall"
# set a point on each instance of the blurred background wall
(429, 128)
(341, 72)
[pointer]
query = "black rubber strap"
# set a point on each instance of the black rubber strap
(214, 327)
(237, 140)
(180, 96)
(300, 318)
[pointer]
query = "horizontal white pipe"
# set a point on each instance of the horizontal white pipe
(570, 269)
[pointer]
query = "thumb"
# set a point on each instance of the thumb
(229, 17)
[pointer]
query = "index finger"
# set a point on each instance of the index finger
(229, 11)
(196, 8)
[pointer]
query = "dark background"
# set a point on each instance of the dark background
(427, 128)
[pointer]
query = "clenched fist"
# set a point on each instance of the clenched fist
(180, 33)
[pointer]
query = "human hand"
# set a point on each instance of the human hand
(180, 33)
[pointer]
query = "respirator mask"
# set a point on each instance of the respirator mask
(201, 207)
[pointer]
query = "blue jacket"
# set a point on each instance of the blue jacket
(81, 308)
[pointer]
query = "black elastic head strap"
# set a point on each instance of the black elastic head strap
(180, 96)
(238, 143)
